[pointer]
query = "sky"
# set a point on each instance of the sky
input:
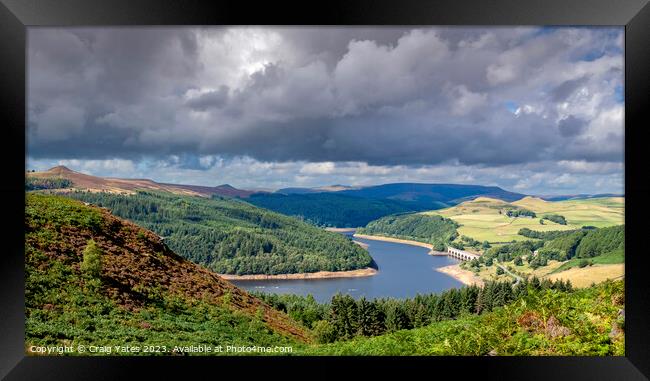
(532, 110)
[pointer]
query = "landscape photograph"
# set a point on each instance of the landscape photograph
(325, 191)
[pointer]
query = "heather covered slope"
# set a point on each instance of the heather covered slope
(143, 293)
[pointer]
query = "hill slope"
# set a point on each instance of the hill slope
(94, 183)
(485, 219)
(423, 194)
(353, 207)
(230, 236)
(330, 209)
(542, 323)
(144, 292)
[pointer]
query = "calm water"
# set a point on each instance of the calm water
(404, 271)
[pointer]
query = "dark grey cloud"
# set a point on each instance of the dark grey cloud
(571, 126)
(383, 96)
(567, 88)
(209, 99)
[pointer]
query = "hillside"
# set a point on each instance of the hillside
(436, 230)
(485, 219)
(140, 292)
(327, 188)
(230, 236)
(128, 186)
(330, 209)
(428, 194)
(344, 206)
(542, 323)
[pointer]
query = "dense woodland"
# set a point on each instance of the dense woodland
(434, 229)
(330, 209)
(230, 236)
(345, 318)
(541, 322)
(37, 183)
(560, 246)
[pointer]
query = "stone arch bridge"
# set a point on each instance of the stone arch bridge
(461, 254)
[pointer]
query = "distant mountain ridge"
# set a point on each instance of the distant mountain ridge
(117, 185)
(354, 207)
(446, 193)
(580, 196)
(326, 188)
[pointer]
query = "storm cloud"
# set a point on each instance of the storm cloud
(386, 97)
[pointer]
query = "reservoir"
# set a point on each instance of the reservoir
(404, 271)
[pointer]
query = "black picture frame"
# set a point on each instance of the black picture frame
(17, 15)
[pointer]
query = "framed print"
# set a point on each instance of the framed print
(372, 185)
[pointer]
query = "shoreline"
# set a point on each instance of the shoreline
(364, 245)
(341, 230)
(466, 277)
(368, 271)
(397, 240)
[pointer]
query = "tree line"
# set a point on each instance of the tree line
(557, 245)
(521, 213)
(345, 318)
(38, 183)
(434, 229)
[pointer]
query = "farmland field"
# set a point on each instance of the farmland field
(483, 218)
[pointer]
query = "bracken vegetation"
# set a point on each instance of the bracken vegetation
(140, 292)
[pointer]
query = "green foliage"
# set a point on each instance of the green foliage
(520, 212)
(565, 245)
(558, 219)
(64, 307)
(613, 257)
(507, 253)
(345, 318)
(432, 229)
(608, 243)
(471, 242)
(304, 309)
(57, 212)
(92, 259)
(38, 183)
(233, 237)
(545, 235)
(601, 241)
(324, 332)
(538, 322)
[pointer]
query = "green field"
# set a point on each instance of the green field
(481, 218)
